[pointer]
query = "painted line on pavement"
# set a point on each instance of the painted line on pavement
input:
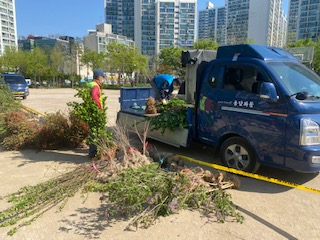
(33, 111)
(251, 175)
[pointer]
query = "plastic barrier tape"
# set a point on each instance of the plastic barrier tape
(251, 175)
(33, 111)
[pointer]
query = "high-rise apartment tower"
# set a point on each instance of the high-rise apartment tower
(304, 20)
(242, 21)
(153, 24)
(212, 23)
(8, 37)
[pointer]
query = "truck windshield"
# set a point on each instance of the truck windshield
(297, 78)
(15, 79)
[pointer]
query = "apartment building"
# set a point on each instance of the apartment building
(97, 40)
(145, 26)
(262, 22)
(304, 20)
(153, 24)
(212, 23)
(8, 25)
(241, 21)
(120, 14)
(175, 23)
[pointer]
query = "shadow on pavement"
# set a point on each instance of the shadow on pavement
(62, 156)
(90, 223)
(86, 222)
(281, 232)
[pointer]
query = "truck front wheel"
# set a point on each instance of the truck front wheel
(236, 153)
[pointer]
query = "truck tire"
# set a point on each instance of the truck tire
(237, 153)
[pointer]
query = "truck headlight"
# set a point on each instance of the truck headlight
(309, 132)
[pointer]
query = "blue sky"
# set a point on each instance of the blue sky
(67, 17)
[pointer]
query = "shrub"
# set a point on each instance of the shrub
(7, 101)
(20, 132)
(56, 131)
(78, 131)
(7, 104)
(94, 117)
(52, 134)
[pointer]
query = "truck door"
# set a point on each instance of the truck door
(230, 104)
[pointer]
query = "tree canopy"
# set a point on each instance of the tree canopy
(208, 44)
(307, 43)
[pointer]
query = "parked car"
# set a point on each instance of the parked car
(17, 83)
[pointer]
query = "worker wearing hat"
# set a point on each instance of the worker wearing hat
(95, 87)
(95, 91)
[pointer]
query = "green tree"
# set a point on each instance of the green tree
(56, 58)
(117, 57)
(14, 60)
(209, 44)
(38, 63)
(316, 57)
(308, 42)
(125, 59)
(170, 60)
(22, 61)
(94, 60)
(249, 41)
(75, 53)
(9, 60)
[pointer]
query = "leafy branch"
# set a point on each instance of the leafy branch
(173, 115)
(36, 200)
(90, 113)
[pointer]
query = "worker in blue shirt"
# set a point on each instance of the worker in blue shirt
(163, 86)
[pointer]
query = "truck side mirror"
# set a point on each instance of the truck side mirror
(268, 92)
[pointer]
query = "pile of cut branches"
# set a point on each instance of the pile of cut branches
(149, 192)
(132, 185)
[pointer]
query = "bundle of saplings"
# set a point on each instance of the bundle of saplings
(173, 115)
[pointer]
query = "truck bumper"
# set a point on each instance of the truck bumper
(304, 159)
(20, 94)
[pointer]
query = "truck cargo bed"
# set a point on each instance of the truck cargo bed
(131, 118)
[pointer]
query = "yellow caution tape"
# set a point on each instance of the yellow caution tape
(33, 111)
(251, 175)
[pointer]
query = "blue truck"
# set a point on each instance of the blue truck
(16, 83)
(257, 105)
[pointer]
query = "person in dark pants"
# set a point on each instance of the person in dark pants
(163, 86)
(95, 91)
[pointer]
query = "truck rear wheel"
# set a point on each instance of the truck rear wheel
(236, 153)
